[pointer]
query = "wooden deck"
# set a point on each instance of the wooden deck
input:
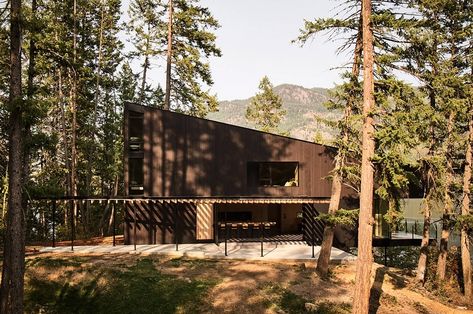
(399, 239)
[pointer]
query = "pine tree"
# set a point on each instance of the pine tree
(265, 108)
(365, 256)
(435, 55)
(386, 24)
(465, 209)
(11, 293)
(146, 29)
(192, 43)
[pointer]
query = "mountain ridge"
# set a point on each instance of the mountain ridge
(304, 107)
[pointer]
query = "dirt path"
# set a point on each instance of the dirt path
(397, 288)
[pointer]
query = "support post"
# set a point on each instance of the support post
(226, 236)
(176, 239)
(313, 244)
(54, 223)
(134, 225)
(72, 224)
(114, 208)
(261, 230)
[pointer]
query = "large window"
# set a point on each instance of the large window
(273, 173)
(135, 131)
(135, 173)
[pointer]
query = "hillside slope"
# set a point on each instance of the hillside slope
(302, 104)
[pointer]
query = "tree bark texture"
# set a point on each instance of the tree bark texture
(429, 179)
(336, 191)
(145, 67)
(326, 247)
(424, 247)
(11, 298)
(465, 241)
(365, 222)
(448, 204)
(73, 97)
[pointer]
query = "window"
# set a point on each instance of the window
(135, 131)
(273, 173)
(135, 175)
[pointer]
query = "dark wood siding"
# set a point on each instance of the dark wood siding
(157, 222)
(187, 156)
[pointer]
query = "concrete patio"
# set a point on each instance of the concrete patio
(242, 251)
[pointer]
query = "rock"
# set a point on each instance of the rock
(310, 307)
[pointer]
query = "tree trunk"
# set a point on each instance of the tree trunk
(73, 97)
(465, 242)
(167, 99)
(365, 229)
(11, 292)
(326, 247)
(93, 129)
(145, 68)
(64, 140)
(424, 248)
(108, 212)
(327, 242)
(30, 91)
(448, 206)
(5, 194)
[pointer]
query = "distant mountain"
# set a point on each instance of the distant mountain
(303, 106)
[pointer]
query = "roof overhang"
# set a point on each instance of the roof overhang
(196, 200)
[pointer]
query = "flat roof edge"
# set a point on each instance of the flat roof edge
(142, 108)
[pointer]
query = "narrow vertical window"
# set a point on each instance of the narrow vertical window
(135, 131)
(135, 172)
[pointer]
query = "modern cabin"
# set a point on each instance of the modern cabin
(196, 174)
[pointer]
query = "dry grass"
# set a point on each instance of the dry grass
(131, 284)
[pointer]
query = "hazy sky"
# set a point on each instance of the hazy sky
(255, 39)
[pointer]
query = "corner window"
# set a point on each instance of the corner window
(135, 131)
(273, 174)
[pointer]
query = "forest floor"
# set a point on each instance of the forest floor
(130, 283)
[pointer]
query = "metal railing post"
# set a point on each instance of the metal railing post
(261, 228)
(176, 239)
(54, 223)
(216, 233)
(134, 225)
(114, 208)
(72, 224)
(313, 244)
(226, 236)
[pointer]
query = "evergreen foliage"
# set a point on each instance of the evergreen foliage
(193, 43)
(265, 108)
(91, 80)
